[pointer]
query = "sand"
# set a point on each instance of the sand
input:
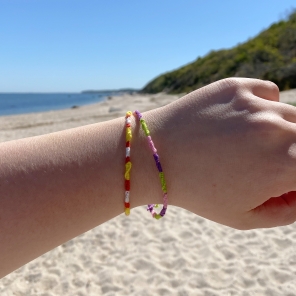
(182, 254)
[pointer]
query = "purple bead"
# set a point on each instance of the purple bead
(156, 157)
(157, 162)
(162, 213)
(138, 114)
(159, 167)
(150, 207)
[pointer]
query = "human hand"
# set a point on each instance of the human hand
(230, 153)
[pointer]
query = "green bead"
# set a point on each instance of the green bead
(145, 128)
(163, 183)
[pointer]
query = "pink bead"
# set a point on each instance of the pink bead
(149, 140)
(151, 144)
(165, 200)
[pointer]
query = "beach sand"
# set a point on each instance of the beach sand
(182, 254)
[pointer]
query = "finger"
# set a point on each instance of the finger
(285, 111)
(266, 90)
(276, 211)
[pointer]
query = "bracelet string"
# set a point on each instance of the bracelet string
(151, 207)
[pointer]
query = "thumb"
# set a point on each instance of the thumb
(276, 211)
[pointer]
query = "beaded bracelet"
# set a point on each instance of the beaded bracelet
(128, 164)
(151, 207)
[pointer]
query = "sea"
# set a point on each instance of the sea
(20, 103)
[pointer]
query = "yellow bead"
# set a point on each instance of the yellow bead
(127, 211)
(128, 135)
(129, 113)
(157, 216)
(128, 167)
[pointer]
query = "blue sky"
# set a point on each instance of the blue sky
(73, 45)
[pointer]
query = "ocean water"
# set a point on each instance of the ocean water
(18, 103)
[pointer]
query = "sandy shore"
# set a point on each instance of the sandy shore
(139, 256)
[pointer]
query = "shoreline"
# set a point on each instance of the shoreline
(32, 124)
(25, 103)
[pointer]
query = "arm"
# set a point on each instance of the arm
(225, 150)
(57, 186)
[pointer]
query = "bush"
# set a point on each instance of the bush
(270, 55)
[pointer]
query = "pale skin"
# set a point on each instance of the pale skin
(228, 152)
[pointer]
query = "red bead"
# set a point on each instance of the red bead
(127, 204)
(127, 159)
(128, 144)
(128, 125)
(127, 185)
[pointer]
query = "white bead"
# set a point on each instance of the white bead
(127, 151)
(128, 120)
(126, 196)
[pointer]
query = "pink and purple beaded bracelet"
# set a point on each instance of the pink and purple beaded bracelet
(151, 207)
